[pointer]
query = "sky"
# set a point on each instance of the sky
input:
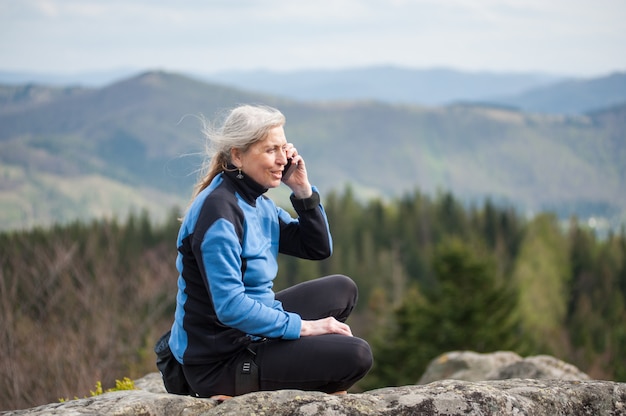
(566, 37)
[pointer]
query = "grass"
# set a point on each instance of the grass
(120, 385)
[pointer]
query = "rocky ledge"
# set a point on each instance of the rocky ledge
(536, 390)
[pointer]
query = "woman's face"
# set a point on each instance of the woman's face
(264, 160)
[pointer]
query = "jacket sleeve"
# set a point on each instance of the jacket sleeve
(307, 236)
(220, 251)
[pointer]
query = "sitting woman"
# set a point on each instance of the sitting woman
(232, 333)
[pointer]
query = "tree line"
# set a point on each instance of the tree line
(85, 302)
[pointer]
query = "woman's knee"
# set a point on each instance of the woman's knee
(355, 356)
(363, 359)
(345, 293)
(346, 286)
(344, 282)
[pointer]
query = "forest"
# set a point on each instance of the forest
(84, 302)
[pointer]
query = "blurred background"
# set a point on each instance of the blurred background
(471, 157)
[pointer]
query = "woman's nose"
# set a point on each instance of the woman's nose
(282, 159)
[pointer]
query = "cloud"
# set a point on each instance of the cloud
(574, 36)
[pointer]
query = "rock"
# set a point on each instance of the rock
(445, 397)
(151, 382)
(122, 403)
(508, 397)
(501, 365)
(539, 367)
(467, 365)
(558, 388)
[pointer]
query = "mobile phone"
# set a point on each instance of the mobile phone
(288, 169)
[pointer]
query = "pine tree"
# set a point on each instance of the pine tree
(468, 309)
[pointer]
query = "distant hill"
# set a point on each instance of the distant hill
(429, 87)
(437, 86)
(84, 79)
(526, 91)
(135, 144)
(532, 92)
(572, 96)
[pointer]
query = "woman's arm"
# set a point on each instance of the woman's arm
(308, 236)
(221, 266)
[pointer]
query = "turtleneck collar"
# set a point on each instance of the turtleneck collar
(248, 188)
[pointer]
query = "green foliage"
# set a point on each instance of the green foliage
(467, 309)
(124, 384)
(542, 275)
(596, 312)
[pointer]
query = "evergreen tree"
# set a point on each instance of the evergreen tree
(467, 309)
(597, 307)
(541, 274)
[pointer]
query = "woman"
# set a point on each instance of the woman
(229, 324)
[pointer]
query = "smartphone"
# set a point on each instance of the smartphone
(288, 169)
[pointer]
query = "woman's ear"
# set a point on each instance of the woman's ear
(235, 157)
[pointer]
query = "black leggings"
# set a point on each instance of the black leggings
(326, 363)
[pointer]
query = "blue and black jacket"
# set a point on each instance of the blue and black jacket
(228, 245)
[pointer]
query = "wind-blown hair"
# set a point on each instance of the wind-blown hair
(242, 127)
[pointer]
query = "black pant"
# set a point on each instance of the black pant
(325, 363)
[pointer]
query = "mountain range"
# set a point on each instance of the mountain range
(396, 85)
(526, 91)
(79, 152)
(529, 92)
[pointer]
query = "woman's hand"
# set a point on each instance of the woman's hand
(324, 326)
(298, 181)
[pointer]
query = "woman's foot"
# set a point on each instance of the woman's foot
(221, 397)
